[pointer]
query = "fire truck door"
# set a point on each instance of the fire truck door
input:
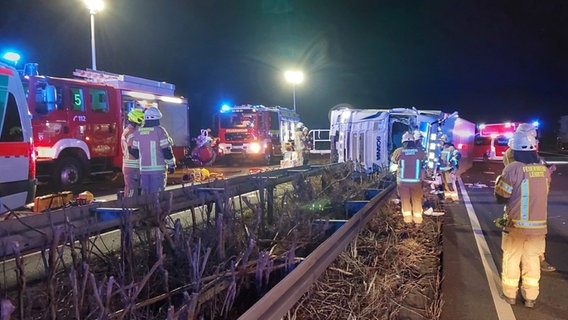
(92, 120)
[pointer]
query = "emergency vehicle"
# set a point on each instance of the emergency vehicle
(255, 132)
(78, 122)
(17, 161)
(492, 140)
(369, 136)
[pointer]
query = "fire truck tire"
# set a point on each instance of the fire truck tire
(68, 172)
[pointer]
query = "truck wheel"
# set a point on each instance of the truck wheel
(68, 173)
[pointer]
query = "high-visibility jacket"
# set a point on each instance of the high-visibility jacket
(410, 163)
(526, 186)
(155, 149)
(128, 161)
(449, 157)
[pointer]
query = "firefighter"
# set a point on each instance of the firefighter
(307, 144)
(525, 227)
(529, 129)
(152, 146)
(130, 165)
(299, 144)
(449, 164)
(409, 174)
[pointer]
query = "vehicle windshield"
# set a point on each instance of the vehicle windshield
(238, 120)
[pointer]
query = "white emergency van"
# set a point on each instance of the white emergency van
(17, 159)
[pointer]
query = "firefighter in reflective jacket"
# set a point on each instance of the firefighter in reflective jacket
(152, 146)
(409, 174)
(523, 186)
(529, 129)
(130, 165)
(449, 162)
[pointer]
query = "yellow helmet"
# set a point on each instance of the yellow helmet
(136, 116)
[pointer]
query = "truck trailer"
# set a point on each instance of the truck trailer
(367, 137)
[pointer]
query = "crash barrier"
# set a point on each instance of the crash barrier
(276, 303)
(33, 232)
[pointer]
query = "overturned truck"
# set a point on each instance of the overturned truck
(369, 136)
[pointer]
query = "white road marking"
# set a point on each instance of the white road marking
(504, 310)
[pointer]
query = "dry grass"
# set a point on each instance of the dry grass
(392, 271)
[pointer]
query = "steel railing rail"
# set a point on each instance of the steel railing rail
(33, 232)
(280, 299)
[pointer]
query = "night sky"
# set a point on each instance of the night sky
(489, 60)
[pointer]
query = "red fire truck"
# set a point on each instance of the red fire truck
(491, 140)
(255, 131)
(77, 123)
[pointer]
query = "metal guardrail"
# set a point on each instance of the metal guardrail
(33, 232)
(289, 290)
(321, 141)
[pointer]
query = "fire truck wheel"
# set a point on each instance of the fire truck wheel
(67, 173)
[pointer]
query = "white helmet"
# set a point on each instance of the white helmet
(444, 138)
(407, 136)
(152, 113)
(526, 128)
(522, 142)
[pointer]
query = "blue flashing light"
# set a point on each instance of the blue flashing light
(535, 124)
(225, 108)
(11, 56)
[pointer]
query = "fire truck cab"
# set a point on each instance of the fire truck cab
(78, 123)
(255, 131)
(492, 140)
(17, 161)
(367, 137)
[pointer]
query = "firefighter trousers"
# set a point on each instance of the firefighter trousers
(411, 194)
(521, 263)
(131, 181)
(449, 182)
(153, 182)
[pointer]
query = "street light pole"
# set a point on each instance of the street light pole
(93, 51)
(294, 95)
(94, 6)
(294, 77)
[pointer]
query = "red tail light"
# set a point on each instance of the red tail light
(32, 156)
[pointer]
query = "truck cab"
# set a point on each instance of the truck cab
(17, 158)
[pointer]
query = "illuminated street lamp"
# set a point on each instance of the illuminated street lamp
(294, 77)
(94, 6)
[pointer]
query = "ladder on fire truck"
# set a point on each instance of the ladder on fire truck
(126, 82)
